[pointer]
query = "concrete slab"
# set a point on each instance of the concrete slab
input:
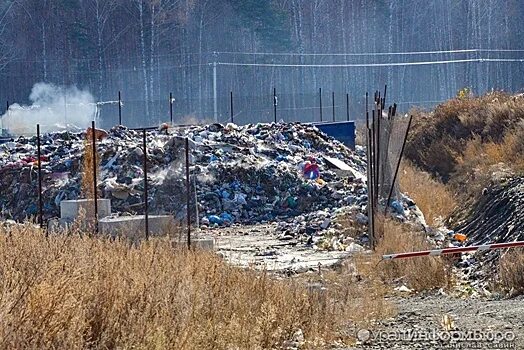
(133, 227)
(70, 209)
(202, 243)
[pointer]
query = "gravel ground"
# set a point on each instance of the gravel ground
(500, 323)
(472, 322)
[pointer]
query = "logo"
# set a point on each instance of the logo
(363, 335)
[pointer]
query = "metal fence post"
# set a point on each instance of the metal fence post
(146, 197)
(231, 105)
(320, 95)
(275, 103)
(333, 104)
(95, 192)
(188, 194)
(40, 199)
(347, 107)
(171, 107)
(119, 108)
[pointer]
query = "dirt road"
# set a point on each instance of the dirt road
(475, 324)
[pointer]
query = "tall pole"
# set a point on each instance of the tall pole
(347, 107)
(171, 107)
(333, 103)
(380, 170)
(275, 104)
(370, 141)
(95, 192)
(231, 105)
(119, 108)
(188, 194)
(384, 98)
(371, 204)
(320, 95)
(40, 199)
(215, 102)
(146, 199)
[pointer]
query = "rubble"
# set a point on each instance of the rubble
(497, 217)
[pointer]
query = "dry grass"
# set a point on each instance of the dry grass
(434, 199)
(438, 139)
(511, 271)
(77, 292)
(422, 273)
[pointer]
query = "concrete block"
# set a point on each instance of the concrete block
(202, 243)
(70, 209)
(133, 227)
(207, 243)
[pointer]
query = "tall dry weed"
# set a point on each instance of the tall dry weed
(77, 292)
(511, 271)
(421, 273)
(435, 200)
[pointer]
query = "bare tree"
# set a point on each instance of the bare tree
(102, 11)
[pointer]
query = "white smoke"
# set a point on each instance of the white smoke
(54, 107)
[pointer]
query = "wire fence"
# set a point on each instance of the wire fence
(240, 109)
(386, 134)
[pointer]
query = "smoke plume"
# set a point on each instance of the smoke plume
(54, 107)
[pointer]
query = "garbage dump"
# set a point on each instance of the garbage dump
(291, 173)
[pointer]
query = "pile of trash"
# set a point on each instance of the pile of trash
(239, 174)
(292, 174)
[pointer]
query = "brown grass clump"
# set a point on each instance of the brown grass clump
(511, 271)
(76, 292)
(422, 273)
(434, 199)
(438, 139)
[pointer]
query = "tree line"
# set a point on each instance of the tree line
(149, 48)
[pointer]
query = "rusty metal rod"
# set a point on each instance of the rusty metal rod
(188, 195)
(119, 108)
(95, 192)
(347, 107)
(275, 103)
(171, 107)
(40, 199)
(146, 197)
(333, 104)
(320, 94)
(231, 105)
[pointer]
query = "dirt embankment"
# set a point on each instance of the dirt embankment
(474, 146)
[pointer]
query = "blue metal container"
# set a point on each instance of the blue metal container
(342, 131)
